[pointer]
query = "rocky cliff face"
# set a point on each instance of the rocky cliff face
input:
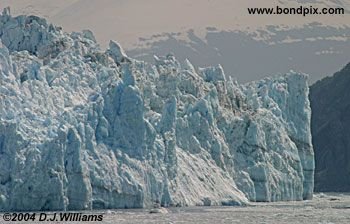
(86, 129)
(330, 128)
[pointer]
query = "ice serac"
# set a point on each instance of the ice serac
(85, 129)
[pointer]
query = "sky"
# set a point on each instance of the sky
(147, 27)
(128, 20)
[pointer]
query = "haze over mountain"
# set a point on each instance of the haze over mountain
(209, 32)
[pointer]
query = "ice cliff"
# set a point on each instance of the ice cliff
(82, 128)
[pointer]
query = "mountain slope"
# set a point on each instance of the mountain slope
(330, 130)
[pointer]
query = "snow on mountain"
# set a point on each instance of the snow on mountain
(82, 128)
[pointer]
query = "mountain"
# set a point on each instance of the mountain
(82, 128)
(331, 137)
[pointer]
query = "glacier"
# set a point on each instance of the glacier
(82, 128)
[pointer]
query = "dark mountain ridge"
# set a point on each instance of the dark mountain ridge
(330, 121)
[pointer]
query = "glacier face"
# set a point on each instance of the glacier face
(85, 129)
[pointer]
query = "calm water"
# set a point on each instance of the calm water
(324, 208)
